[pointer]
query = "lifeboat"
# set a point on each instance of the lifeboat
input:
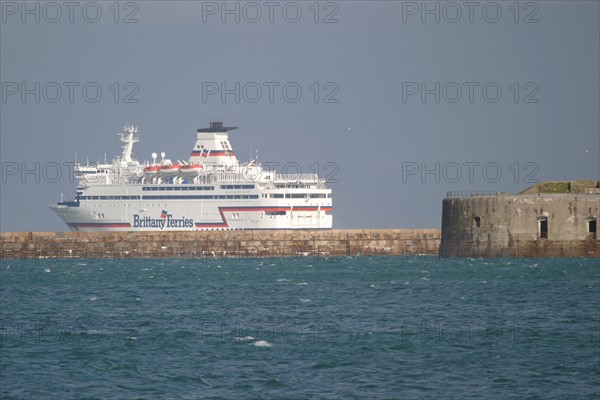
(151, 170)
(190, 169)
(169, 171)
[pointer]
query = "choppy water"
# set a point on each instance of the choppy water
(300, 328)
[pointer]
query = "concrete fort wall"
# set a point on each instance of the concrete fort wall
(553, 225)
(197, 244)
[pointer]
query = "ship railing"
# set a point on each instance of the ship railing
(292, 177)
(229, 177)
(472, 194)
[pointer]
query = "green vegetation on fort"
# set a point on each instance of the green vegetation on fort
(579, 186)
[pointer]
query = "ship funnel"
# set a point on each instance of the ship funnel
(212, 146)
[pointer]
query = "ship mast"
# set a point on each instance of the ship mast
(129, 137)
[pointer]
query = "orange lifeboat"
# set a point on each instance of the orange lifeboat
(169, 171)
(151, 170)
(191, 169)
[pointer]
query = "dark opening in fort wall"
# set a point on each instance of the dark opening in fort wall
(230, 244)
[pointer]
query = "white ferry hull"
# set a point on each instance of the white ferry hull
(213, 190)
(181, 216)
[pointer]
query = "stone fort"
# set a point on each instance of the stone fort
(553, 219)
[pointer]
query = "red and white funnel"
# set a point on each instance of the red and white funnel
(212, 146)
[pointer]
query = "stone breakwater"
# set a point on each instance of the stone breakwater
(230, 244)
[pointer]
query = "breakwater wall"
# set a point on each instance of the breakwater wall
(198, 244)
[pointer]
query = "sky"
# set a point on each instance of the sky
(395, 103)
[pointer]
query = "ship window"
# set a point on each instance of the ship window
(592, 228)
(543, 227)
(477, 221)
(275, 212)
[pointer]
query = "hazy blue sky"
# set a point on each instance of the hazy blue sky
(371, 62)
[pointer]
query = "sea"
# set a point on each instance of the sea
(300, 328)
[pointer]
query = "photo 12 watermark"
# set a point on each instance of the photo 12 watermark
(253, 12)
(69, 92)
(271, 332)
(292, 171)
(66, 332)
(231, 250)
(468, 172)
(470, 92)
(270, 92)
(470, 12)
(449, 332)
(523, 252)
(24, 172)
(53, 12)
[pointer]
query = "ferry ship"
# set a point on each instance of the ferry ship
(211, 190)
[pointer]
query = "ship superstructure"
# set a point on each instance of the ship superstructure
(211, 190)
